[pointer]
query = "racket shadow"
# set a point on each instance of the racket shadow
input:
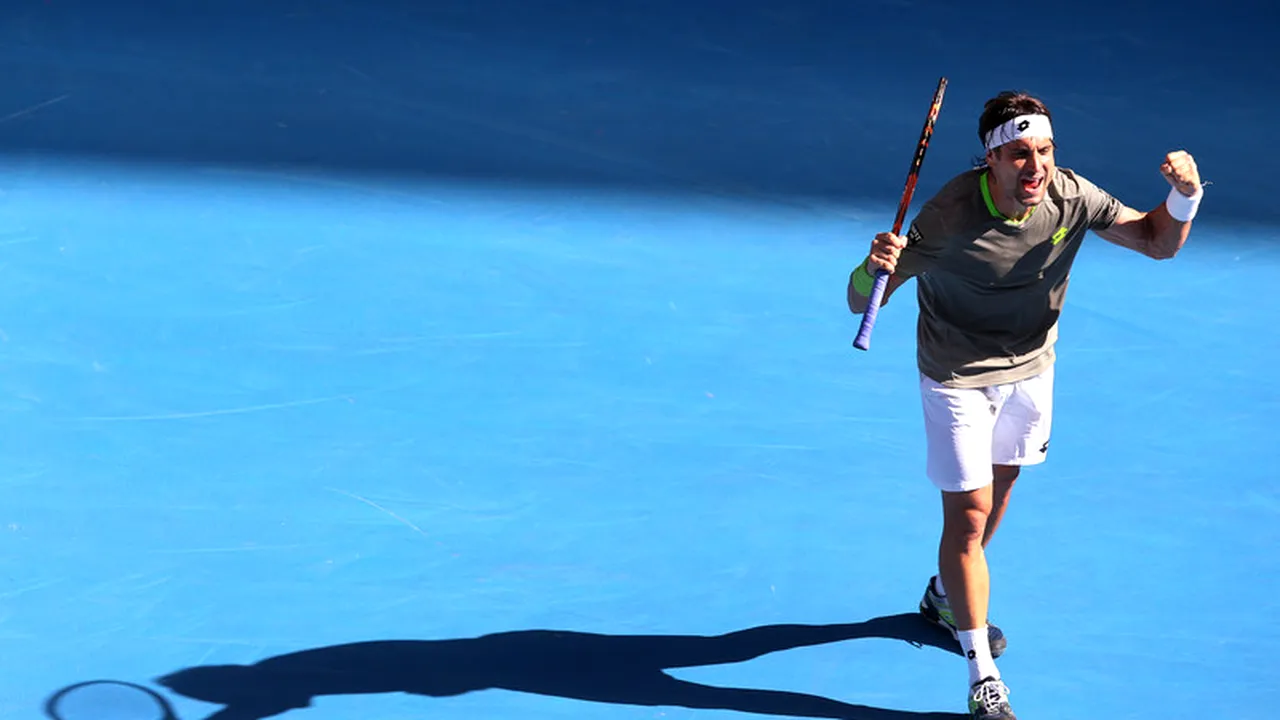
(618, 669)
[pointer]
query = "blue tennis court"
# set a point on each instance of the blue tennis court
(442, 360)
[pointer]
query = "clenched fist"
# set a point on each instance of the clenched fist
(1179, 168)
(885, 251)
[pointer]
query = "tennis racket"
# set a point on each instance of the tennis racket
(863, 339)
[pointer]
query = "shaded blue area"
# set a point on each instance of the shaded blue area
(495, 357)
(815, 99)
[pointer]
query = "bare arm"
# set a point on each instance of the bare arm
(1154, 234)
(1157, 233)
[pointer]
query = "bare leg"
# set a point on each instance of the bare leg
(961, 558)
(1005, 475)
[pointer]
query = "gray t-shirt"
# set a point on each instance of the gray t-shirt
(991, 289)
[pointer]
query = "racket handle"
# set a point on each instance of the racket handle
(863, 340)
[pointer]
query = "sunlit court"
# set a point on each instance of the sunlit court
(435, 360)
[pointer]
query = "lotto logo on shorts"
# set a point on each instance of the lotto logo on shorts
(913, 235)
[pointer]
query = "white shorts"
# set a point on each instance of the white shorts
(969, 430)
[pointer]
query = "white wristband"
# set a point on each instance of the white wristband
(1181, 207)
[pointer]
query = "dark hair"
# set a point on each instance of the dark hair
(1002, 108)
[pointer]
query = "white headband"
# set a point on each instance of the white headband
(1020, 127)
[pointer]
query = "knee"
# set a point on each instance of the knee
(965, 521)
(968, 528)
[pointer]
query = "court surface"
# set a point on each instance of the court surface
(491, 361)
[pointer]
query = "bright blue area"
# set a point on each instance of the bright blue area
(360, 323)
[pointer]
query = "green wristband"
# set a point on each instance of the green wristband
(862, 280)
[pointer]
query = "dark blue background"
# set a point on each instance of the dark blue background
(799, 99)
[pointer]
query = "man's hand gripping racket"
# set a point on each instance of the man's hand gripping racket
(863, 339)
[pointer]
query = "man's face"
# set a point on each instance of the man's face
(1023, 169)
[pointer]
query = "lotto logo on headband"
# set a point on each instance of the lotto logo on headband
(1020, 127)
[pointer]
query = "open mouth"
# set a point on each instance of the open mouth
(1032, 184)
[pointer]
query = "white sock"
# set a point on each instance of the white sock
(938, 587)
(978, 652)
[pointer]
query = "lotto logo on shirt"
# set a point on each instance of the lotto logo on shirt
(913, 235)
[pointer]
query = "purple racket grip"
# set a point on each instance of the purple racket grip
(863, 340)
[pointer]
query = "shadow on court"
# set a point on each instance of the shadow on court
(621, 669)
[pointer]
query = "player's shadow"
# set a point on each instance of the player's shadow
(620, 669)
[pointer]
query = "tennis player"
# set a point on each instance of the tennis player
(992, 254)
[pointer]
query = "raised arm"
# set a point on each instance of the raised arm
(1161, 232)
